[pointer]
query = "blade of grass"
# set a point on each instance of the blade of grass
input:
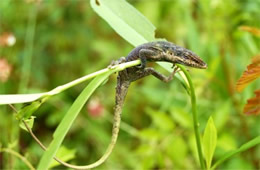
(128, 22)
(26, 68)
(28, 52)
(68, 119)
(244, 147)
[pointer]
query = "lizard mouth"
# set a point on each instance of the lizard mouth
(195, 64)
(191, 59)
(204, 66)
(201, 65)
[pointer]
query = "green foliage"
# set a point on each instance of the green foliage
(71, 41)
(26, 111)
(209, 141)
(125, 20)
(244, 147)
(64, 154)
(29, 121)
(68, 119)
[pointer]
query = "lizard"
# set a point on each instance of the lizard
(147, 52)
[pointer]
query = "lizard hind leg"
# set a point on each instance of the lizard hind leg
(160, 76)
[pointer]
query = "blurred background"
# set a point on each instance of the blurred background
(45, 43)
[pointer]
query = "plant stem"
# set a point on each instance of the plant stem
(7, 150)
(194, 115)
(26, 98)
(244, 147)
(115, 68)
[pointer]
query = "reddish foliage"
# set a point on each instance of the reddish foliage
(7, 39)
(253, 30)
(5, 70)
(95, 108)
(253, 105)
(252, 73)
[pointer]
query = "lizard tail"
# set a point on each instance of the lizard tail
(121, 92)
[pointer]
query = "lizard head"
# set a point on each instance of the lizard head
(177, 54)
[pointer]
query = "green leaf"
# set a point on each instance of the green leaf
(28, 110)
(129, 23)
(244, 147)
(68, 119)
(20, 98)
(125, 20)
(180, 116)
(176, 144)
(209, 141)
(64, 154)
(161, 120)
(29, 122)
(150, 134)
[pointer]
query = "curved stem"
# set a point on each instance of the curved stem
(97, 163)
(121, 92)
(115, 130)
(7, 150)
(120, 96)
(194, 115)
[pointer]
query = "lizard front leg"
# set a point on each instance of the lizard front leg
(144, 55)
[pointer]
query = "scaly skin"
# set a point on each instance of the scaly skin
(152, 51)
(165, 51)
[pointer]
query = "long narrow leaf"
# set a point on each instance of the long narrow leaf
(20, 98)
(125, 20)
(67, 121)
(209, 141)
(129, 23)
(244, 147)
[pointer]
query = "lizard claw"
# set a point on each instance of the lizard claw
(141, 66)
(116, 62)
(113, 63)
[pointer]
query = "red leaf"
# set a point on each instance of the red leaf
(253, 105)
(252, 73)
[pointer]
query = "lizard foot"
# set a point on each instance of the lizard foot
(116, 62)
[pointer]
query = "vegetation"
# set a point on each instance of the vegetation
(44, 44)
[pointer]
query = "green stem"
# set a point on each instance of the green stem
(194, 115)
(244, 147)
(27, 57)
(27, 60)
(115, 68)
(26, 98)
(7, 150)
